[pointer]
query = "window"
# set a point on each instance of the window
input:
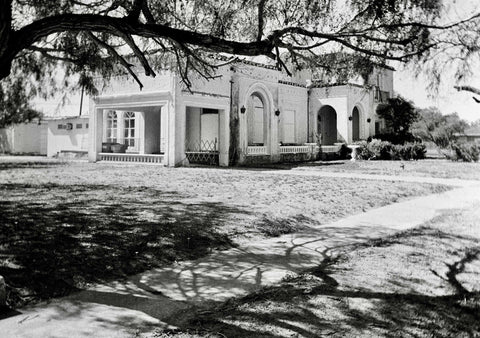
(112, 126)
(288, 124)
(60, 126)
(79, 126)
(86, 125)
(129, 131)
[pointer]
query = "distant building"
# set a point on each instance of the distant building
(471, 134)
(67, 136)
(58, 136)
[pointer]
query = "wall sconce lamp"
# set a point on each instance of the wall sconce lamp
(243, 110)
(277, 112)
(350, 118)
(369, 120)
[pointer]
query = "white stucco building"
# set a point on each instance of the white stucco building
(250, 113)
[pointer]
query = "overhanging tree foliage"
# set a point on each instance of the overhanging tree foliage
(107, 37)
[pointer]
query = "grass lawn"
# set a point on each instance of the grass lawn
(425, 168)
(65, 225)
(424, 282)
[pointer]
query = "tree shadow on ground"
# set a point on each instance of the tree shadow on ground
(61, 238)
(315, 304)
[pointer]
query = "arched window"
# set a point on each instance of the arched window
(129, 131)
(112, 126)
(255, 121)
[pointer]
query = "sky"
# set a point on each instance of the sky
(448, 100)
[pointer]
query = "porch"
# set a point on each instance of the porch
(130, 132)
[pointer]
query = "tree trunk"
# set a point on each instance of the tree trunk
(5, 38)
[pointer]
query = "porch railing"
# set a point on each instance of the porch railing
(331, 149)
(295, 149)
(139, 158)
(202, 146)
(257, 150)
(202, 151)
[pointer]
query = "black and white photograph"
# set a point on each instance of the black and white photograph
(239, 168)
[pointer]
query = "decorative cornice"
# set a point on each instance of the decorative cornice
(290, 83)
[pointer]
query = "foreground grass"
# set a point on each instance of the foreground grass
(65, 225)
(425, 168)
(420, 283)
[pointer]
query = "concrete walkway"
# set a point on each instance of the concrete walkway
(160, 296)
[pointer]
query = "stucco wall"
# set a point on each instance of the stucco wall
(192, 126)
(24, 138)
(152, 130)
(293, 98)
(363, 99)
(127, 85)
(75, 139)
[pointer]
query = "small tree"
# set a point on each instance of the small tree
(440, 129)
(398, 114)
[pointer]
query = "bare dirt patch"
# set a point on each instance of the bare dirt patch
(64, 225)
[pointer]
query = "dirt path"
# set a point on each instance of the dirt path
(160, 296)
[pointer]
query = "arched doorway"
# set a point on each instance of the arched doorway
(355, 124)
(327, 125)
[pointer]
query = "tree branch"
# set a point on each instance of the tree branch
(114, 53)
(46, 52)
(147, 13)
(468, 89)
(98, 23)
(138, 53)
(261, 7)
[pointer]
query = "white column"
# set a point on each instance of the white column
(224, 137)
(170, 138)
(96, 127)
(274, 130)
(141, 131)
(163, 129)
(177, 147)
(120, 126)
(104, 125)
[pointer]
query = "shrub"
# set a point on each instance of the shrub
(374, 150)
(409, 151)
(396, 138)
(467, 152)
(383, 150)
(419, 151)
